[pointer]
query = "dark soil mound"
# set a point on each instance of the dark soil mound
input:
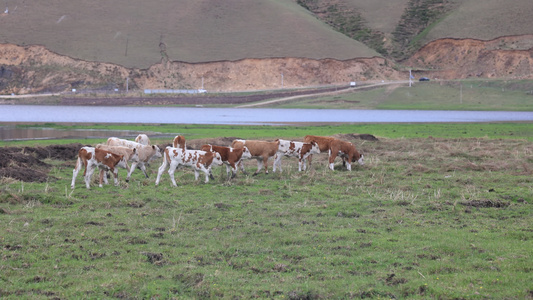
(26, 163)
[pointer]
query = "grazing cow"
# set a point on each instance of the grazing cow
(260, 150)
(349, 154)
(301, 150)
(179, 142)
(230, 156)
(146, 153)
(92, 158)
(142, 139)
(198, 160)
(334, 147)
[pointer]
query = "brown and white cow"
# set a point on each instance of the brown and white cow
(334, 147)
(230, 156)
(301, 150)
(260, 150)
(142, 139)
(198, 160)
(129, 154)
(93, 158)
(179, 142)
(146, 153)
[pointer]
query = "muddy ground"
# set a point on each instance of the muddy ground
(27, 163)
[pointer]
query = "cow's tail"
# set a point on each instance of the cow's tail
(78, 165)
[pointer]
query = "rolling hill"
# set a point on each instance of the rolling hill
(245, 45)
(136, 33)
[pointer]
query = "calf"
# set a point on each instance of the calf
(196, 159)
(301, 150)
(334, 147)
(349, 154)
(146, 153)
(260, 150)
(142, 139)
(230, 156)
(129, 154)
(92, 158)
(179, 142)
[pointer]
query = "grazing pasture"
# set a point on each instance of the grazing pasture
(425, 217)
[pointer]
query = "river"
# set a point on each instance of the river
(13, 114)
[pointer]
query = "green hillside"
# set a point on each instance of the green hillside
(486, 20)
(397, 28)
(138, 33)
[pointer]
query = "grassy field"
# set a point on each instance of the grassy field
(435, 95)
(446, 216)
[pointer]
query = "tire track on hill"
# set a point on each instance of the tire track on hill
(342, 91)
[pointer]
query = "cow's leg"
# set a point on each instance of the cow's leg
(277, 162)
(259, 166)
(300, 161)
(160, 171)
(88, 174)
(203, 169)
(75, 172)
(171, 171)
(114, 171)
(332, 156)
(132, 168)
(240, 165)
(309, 159)
(143, 168)
(349, 166)
(196, 174)
(101, 177)
(333, 151)
(211, 173)
(106, 174)
(265, 160)
(233, 169)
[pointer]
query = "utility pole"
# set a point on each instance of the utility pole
(281, 79)
(461, 93)
(410, 78)
(127, 83)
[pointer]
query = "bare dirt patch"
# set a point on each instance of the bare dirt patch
(26, 163)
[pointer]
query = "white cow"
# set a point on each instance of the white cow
(142, 139)
(301, 150)
(196, 159)
(146, 153)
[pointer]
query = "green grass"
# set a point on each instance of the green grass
(445, 95)
(463, 130)
(424, 218)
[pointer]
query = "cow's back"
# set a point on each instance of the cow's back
(262, 148)
(324, 142)
(142, 139)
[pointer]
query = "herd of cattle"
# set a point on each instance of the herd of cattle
(118, 152)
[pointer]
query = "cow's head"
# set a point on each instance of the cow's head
(135, 155)
(157, 151)
(360, 159)
(246, 153)
(315, 149)
(217, 159)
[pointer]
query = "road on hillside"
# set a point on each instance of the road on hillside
(328, 93)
